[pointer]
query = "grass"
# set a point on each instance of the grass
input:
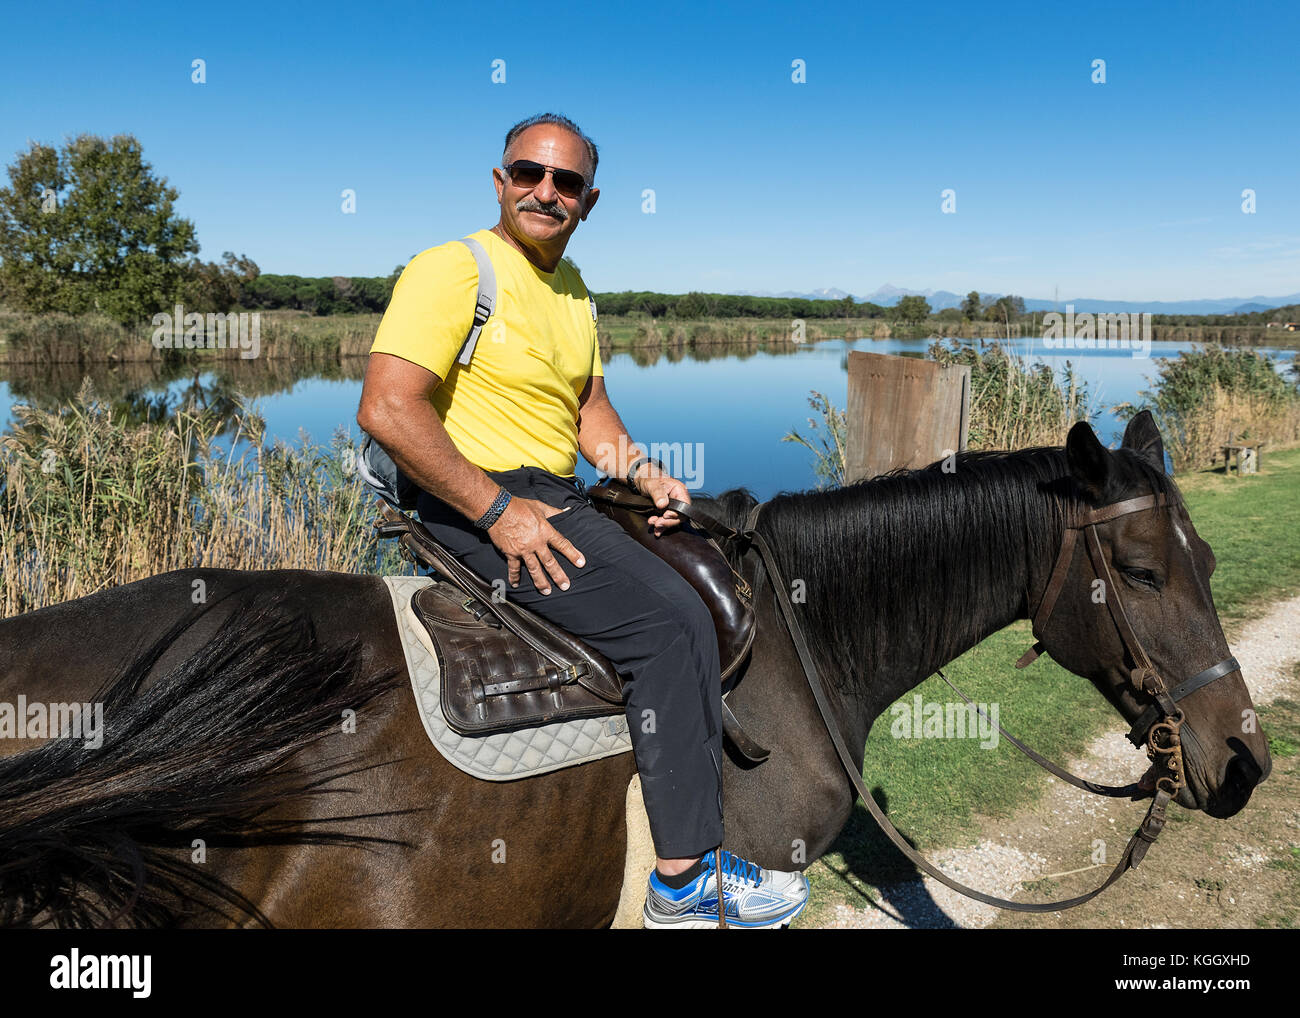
(1253, 525)
(1281, 719)
(94, 339)
(89, 500)
(934, 788)
(641, 332)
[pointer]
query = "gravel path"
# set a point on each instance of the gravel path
(1267, 648)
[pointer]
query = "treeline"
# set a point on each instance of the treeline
(1286, 313)
(327, 295)
(726, 305)
(340, 294)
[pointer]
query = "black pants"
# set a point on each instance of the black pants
(638, 611)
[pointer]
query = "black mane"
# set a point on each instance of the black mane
(910, 552)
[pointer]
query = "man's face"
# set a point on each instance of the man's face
(541, 215)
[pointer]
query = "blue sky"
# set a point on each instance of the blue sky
(1127, 190)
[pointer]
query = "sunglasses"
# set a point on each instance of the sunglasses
(527, 174)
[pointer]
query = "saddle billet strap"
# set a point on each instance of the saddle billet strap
(741, 739)
(722, 899)
(1137, 845)
(553, 679)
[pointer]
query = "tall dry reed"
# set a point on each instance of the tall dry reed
(88, 502)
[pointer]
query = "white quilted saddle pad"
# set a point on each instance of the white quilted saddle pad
(504, 756)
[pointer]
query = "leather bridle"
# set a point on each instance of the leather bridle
(1144, 676)
(1158, 726)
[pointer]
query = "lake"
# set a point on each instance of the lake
(718, 422)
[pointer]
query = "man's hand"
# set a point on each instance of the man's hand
(523, 535)
(660, 487)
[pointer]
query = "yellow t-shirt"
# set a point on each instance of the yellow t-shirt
(516, 404)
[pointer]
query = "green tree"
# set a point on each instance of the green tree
(970, 307)
(1005, 309)
(213, 286)
(691, 305)
(91, 228)
(913, 309)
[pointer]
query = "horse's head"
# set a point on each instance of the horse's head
(1160, 572)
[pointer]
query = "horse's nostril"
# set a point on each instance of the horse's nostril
(1243, 772)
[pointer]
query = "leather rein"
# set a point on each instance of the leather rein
(1159, 725)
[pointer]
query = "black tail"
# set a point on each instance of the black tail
(94, 837)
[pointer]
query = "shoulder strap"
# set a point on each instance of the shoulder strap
(486, 300)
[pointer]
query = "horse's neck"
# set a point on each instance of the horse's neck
(924, 632)
(1001, 603)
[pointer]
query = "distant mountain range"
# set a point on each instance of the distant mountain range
(889, 295)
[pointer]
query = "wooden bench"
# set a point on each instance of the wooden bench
(1247, 458)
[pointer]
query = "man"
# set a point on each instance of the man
(493, 446)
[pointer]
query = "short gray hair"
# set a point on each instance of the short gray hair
(559, 121)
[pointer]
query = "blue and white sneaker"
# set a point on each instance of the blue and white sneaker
(756, 898)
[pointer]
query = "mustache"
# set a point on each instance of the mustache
(553, 209)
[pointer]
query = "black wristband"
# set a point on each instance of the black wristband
(637, 464)
(494, 511)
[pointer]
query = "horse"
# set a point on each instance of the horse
(263, 763)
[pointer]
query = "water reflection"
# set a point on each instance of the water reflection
(732, 399)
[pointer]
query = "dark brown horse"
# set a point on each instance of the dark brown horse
(235, 784)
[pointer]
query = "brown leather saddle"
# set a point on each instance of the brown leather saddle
(504, 667)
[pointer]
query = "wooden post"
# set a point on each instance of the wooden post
(903, 412)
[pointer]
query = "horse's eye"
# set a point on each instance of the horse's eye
(1143, 576)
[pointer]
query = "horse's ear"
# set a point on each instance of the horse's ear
(1143, 437)
(1089, 461)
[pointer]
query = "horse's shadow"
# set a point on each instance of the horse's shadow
(870, 858)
